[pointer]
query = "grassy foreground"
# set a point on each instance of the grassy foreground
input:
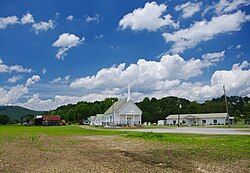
(226, 149)
(213, 146)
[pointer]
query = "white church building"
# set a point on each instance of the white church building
(122, 112)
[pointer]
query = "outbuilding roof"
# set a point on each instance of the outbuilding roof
(51, 118)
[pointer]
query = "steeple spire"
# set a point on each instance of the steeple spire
(129, 94)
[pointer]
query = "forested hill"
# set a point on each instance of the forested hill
(156, 109)
(16, 112)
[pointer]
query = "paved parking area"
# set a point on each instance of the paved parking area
(198, 130)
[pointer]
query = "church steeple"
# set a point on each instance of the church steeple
(129, 94)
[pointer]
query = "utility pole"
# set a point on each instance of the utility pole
(113, 115)
(180, 106)
(226, 105)
(179, 120)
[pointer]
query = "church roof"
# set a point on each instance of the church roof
(116, 106)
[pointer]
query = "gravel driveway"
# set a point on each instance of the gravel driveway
(198, 130)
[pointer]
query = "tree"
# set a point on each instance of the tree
(193, 108)
(4, 119)
(146, 117)
(237, 113)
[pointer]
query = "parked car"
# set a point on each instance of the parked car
(86, 122)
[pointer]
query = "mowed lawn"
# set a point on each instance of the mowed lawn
(77, 149)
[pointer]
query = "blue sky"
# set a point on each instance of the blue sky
(187, 49)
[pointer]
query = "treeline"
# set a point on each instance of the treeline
(83, 110)
(156, 109)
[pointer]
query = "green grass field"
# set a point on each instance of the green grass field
(215, 146)
(208, 148)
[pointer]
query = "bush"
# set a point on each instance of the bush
(4, 119)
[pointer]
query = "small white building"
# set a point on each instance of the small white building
(96, 120)
(161, 122)
(122, 112)
(198, 119)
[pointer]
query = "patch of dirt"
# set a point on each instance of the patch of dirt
(208, 167)
(95, 154)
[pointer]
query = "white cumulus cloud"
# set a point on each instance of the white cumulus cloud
(188, 9)
(36, 103)
(32, 80)
(27, 18)
(44, 70)
(169, 76)
(226, 6)
(6, 21)
(13, 68)
(70, 18)
(61, 80)
(146, 74)
(205, 30)
(241, 66)
(65, 42)
(43, 26)
(98, 36)
(151, 17)
(238, 46)
(196, 91)
(14, 79)
(56, 80)
(13, 94)
(214, 57)
(95, 18)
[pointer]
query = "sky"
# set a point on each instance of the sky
(54, 53)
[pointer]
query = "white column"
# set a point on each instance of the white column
(119, 120)
(133, 119)
(126, 119)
